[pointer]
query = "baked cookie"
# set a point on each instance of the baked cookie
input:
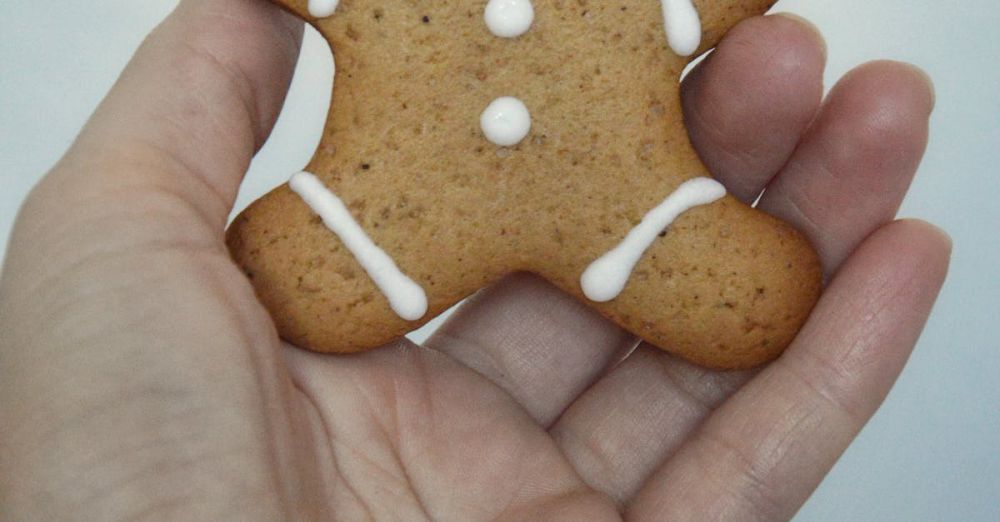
(468, 139)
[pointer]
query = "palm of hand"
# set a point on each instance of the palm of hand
(143, 378)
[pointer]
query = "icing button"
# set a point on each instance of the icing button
(506, 121)
(322, 8)
(509, 18)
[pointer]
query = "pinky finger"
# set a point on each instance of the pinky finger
(762, 453)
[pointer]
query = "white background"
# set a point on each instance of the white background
(931, 453)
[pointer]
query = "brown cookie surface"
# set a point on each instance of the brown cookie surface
(726, 286)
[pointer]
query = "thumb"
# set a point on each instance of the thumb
(125, 329)
(159, 164)
(186, 116)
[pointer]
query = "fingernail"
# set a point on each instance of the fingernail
(928, 80)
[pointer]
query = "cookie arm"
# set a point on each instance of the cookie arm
(718, 17)
(318, 294)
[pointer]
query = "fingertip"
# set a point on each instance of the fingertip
(946, 242)
(913, 233)
(785, 44)
(931, 233)
(807, 30)
(747, 105)
(930, 245)
(885, 87)
(913, 253)
(917, 81)
(931, 87)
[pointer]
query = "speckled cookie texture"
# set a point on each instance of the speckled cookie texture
(726, 286)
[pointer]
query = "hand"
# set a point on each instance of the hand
(139, 376)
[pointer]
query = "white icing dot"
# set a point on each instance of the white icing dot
(405, 296)
(322, 8)
(509, 18)
(605, 278)
(506, 121)
(683, 26)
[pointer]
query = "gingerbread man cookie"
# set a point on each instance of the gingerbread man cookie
(468, 139)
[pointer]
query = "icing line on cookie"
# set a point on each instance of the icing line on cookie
(506, 121)
(605, 278)
(405, 296)
(322, 8)
(509, 18)
(683, 25)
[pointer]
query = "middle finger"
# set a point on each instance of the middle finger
(747, 106)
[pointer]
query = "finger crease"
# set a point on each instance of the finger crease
(838, 407)
(222, 201)
(311, 403)
(756, 491)
(239, 83)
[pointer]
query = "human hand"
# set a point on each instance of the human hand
(139, 377)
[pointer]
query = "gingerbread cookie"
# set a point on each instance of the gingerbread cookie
(468, 139)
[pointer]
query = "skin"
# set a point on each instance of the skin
(140, 378)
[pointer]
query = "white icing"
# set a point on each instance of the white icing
(605, 278)
(509, 18)
(506, 121)
(683, 26)
(322, 8)
(405, 296)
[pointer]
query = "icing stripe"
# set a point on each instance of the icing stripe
(405, 296)
(683, 25)
(605, 278)
(322, 8)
